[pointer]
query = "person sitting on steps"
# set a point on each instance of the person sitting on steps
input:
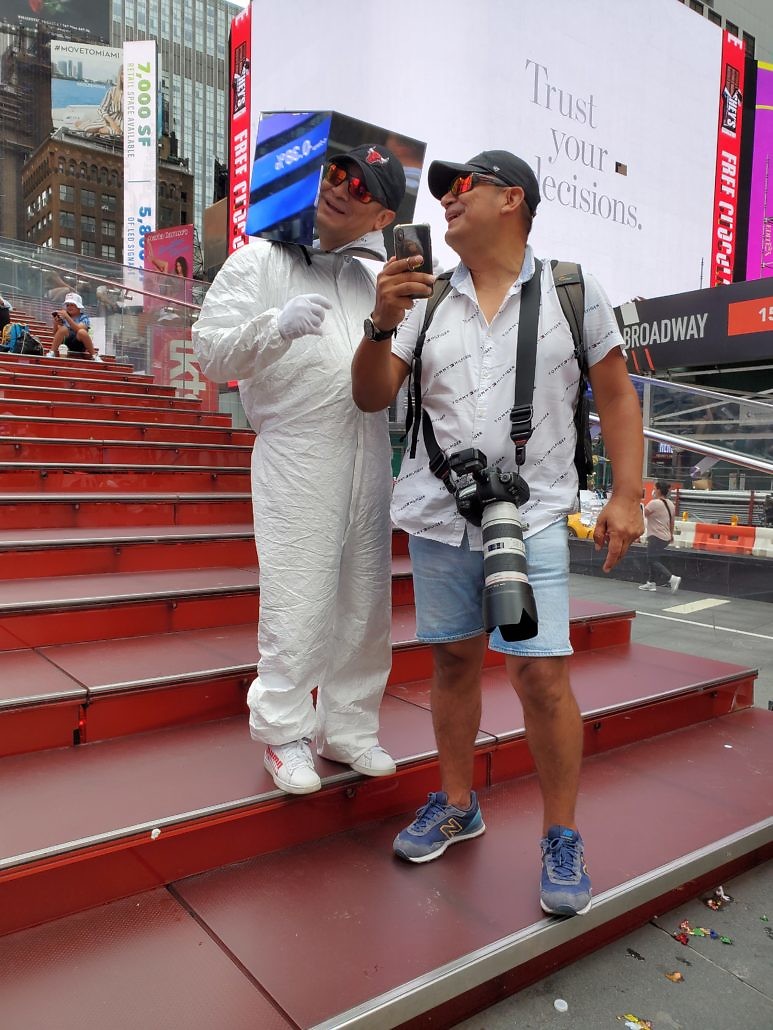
(72, 329)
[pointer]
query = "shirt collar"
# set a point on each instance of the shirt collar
(461, 280)
(371, 245)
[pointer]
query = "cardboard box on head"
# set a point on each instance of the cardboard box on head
(292, 150)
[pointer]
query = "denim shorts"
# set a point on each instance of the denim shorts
(448, 586)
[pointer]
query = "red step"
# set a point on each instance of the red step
(71, 381)
(98, 394)
(18, 427)
(84, 832)
(30, 366)
(75, 363)
(105, 412)
(24, 477)
(119, 452)
(31, 554)
(19, 511)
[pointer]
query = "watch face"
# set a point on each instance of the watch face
(372, 333)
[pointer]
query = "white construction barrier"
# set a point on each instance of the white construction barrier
(763, 543)
(684, 534)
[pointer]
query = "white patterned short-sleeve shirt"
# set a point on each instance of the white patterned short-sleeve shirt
(468, 391)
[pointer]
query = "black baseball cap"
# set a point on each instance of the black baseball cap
(501, 164)
(382, 172)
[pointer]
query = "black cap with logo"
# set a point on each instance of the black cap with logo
(500, 164)
(382, 172)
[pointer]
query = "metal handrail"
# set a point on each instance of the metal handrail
(691, 443)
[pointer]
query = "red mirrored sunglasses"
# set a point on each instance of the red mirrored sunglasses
(335, 175)
(464, 183)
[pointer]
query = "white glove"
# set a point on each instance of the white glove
(303, 316)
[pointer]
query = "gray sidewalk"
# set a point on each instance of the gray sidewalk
(724, 987)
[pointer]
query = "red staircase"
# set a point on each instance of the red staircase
(129, 785)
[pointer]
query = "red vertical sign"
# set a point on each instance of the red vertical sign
(239, 129)
(728, 160)
(174, 364)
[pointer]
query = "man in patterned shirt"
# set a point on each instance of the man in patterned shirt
(468, 389)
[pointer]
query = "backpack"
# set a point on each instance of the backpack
(21, 341)
(570, 287)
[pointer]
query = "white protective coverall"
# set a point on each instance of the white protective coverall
(321, 485)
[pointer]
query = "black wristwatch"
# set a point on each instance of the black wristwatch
(372, 333)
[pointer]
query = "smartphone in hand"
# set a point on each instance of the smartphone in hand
(412, 240)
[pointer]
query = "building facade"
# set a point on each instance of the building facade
(750, 20)
(192, 39)
(72, 190)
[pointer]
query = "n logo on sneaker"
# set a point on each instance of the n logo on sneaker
(451, 828)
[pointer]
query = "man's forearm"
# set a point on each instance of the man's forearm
(621, 428)
(373, 386)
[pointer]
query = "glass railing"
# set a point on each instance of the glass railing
(715, 449)
(709, 445)
(140, 317)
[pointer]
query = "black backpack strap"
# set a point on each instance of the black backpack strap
(522, 411)
(413, 416)
(570, 287)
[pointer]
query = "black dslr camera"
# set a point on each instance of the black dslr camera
(489, 498)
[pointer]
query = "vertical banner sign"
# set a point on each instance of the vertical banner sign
(728, 158)
(759, 254)
(140, 147)
(239, 130)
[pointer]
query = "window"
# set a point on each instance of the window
(732, 29)
(67, 219)
(108, 251)
(109, 203)
(696, 5)
(713, 16)
(750, 44)
(67, 193)
(88, 224)
(89, 249)
(88, 198)
(108, 228)
(67, 243)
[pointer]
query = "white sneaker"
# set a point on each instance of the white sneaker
(292, 767)
(674, 583)
(374, 762)
(649, 585)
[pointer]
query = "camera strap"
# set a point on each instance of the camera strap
(522, 412)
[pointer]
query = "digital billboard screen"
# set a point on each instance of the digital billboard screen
(614, 105)
(85, 15)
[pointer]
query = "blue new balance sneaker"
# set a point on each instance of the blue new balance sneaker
(437, 825)
(565, 888)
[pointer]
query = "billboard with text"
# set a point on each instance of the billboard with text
(85, 15)
(613, 104)
(240, 161)
(759, 254)
(87, 88)
(140, 72)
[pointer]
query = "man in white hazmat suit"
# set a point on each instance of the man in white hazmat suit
(285, 322)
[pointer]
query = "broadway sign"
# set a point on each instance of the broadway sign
(720, 326)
